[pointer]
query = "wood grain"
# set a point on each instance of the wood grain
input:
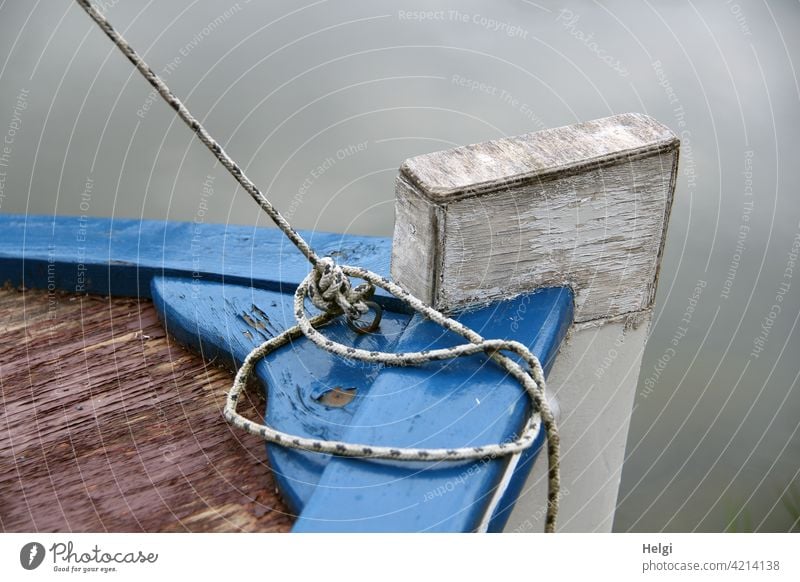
(107, 425)
(470, 170)
(584, 206)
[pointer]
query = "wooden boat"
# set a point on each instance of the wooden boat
(552, 239)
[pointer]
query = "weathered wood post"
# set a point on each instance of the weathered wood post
(584, 206)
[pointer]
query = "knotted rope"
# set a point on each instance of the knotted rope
(329, 288)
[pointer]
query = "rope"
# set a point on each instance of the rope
(329, 288)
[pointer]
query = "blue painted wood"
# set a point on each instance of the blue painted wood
(224, 322)
(468, 401)
(120, 257)
(457, 403)
(223, 289)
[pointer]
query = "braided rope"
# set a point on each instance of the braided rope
(329, 289)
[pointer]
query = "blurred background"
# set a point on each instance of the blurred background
(321, 101)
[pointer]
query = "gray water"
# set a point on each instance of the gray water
(321, 102)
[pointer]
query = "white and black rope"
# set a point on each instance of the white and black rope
(329, 288)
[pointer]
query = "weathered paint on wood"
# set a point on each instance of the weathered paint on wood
(468, 221)
(120, 257)
(463, 402)
(224, 314)
(107, 425)
(583, 206)
(468, 401)
(225, 322)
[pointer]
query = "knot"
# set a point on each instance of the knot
(331, 291)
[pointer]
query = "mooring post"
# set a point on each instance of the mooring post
(584, 206)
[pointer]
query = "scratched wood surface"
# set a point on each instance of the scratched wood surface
(584, 206)
(107, 425)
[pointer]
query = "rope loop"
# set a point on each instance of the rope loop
(530, 377)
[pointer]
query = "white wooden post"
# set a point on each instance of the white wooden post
(584, 206)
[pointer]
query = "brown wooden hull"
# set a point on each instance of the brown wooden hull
(107, 425)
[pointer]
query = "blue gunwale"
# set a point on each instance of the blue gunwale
(120, 256)
(223, 289)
